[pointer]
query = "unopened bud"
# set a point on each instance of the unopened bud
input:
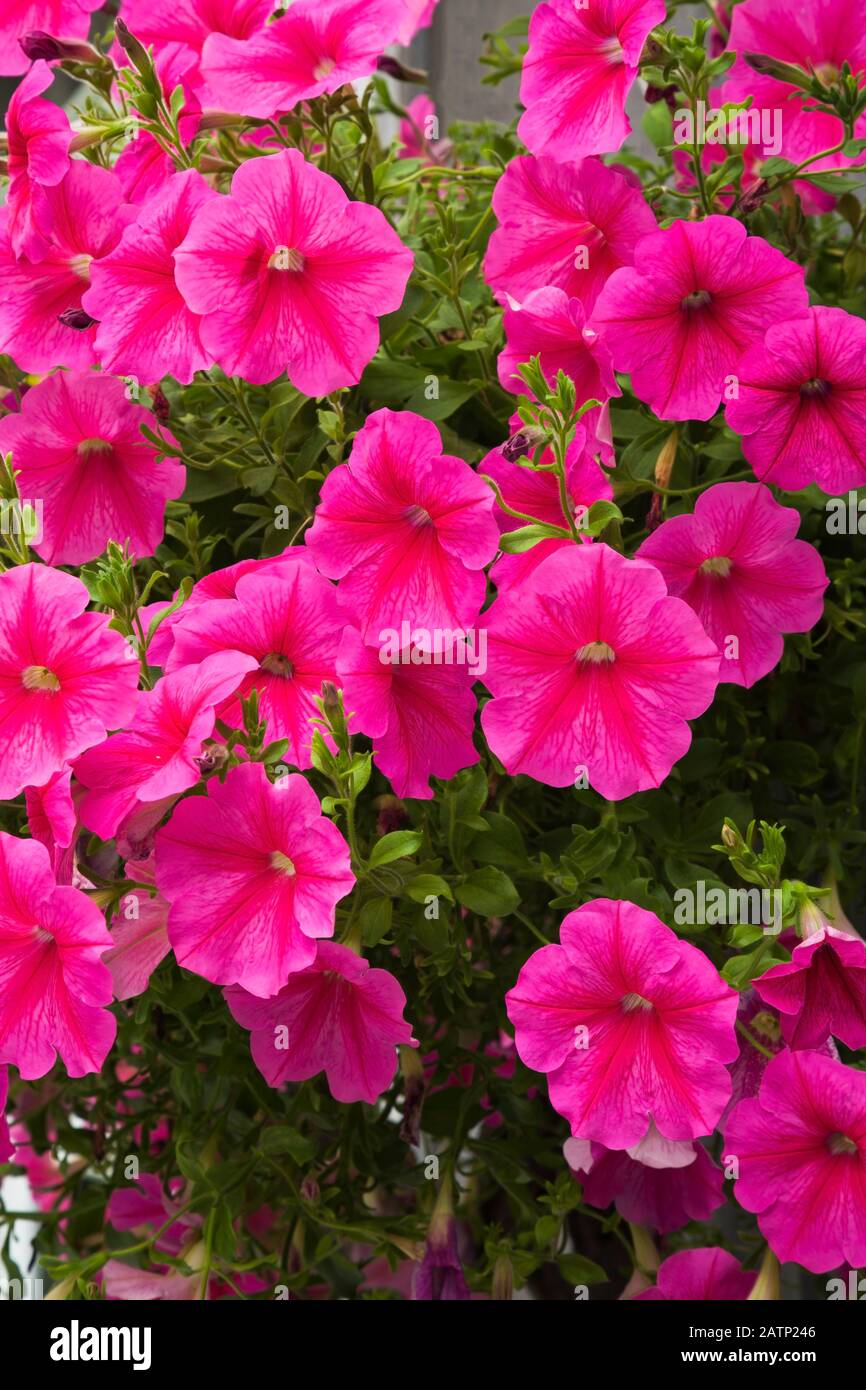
(37, 44)
(76, 318)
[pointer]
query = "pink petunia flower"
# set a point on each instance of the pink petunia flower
(288, 620)
(736, 563)
(536, 494)
(65, 676)
(143, 166)
(594, 671)
(290, 275)
(416, 705)
(801, 1152)
(53, 821)
(139, 933)
(253, 873)
(418, 14)
(145, 328)
(81, 218)
(698, 295)
(162, 23)
(819, 37)
(708, 1275)
(663, 1197)
(568, 225)
(419, 132)
(581, 64)
(821, 990)
(632, 1025)
(801, 402)
(7, 1148)
(38, 137)
(406, 529)
(156, 756)
(67, 19)
(550, 325)
(53, 985)
(318, 46)
(78, 447)
(337, 1016)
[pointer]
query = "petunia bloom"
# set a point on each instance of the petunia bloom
(801, 402)
(663, 1197)
(290, 275)
(705, 1275)
(65, 676)
(594, 670)
(318, 46)
(53, 821)
(550, 325)
(7, 1149)
(53, 985)
(38, 137)
(288, 620)
(337, 1016)
(162, 23)
(581, 64)
(67, 19)
(155, 756)
(567, 225)
(632, 1026)
(139, 933)
(78, 448)
(416, 705)
(406, 529)
(736, 563)
(821, 991)
(800, 1148)
(81, 218)
(698, 295)
(253, 873)
(145, 328)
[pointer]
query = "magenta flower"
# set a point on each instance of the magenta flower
(416, 137)
(139, 934)
(550, 325)
(337, 1016)
(68, 19)
(801, 1151)
(38, 137)
(698, 295)
(801, 403)
(162, 23)
(568, 225)
(418, 14)
(581, 64)
(665, 1198)
(821, 990)
(65, 676)
(416, 705)
(537, 494)
(145, 328)
(80, 219)
(819, 37)
(78, 447)
(736, 563)
(7, 1148)
(253, 873)
(156, 757)
(710, 1275)
(632, 1026)
(143, 166)
(53, 985)
(594, 671)
(315, 48)
(291, 276)
(288, 620)
(406, 529)
(53, 821)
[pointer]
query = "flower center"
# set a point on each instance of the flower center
(828, 72)
(282, 863)
(287, 258)
(87, 447)
(42, 934)
(611, 51)
(630, 1002)
(39, 678)
(276, 664)
(80, 266)
(815, 388)
(324, 68)
(699, 299)
(418, 516)
(596, 654)
(717, 565)
(841, 1144)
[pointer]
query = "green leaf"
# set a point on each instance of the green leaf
(577, 1269)
(489, 892)
(525, 537)
(398, 845)
(425, 886)
(375, 920)
(282, 1139)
